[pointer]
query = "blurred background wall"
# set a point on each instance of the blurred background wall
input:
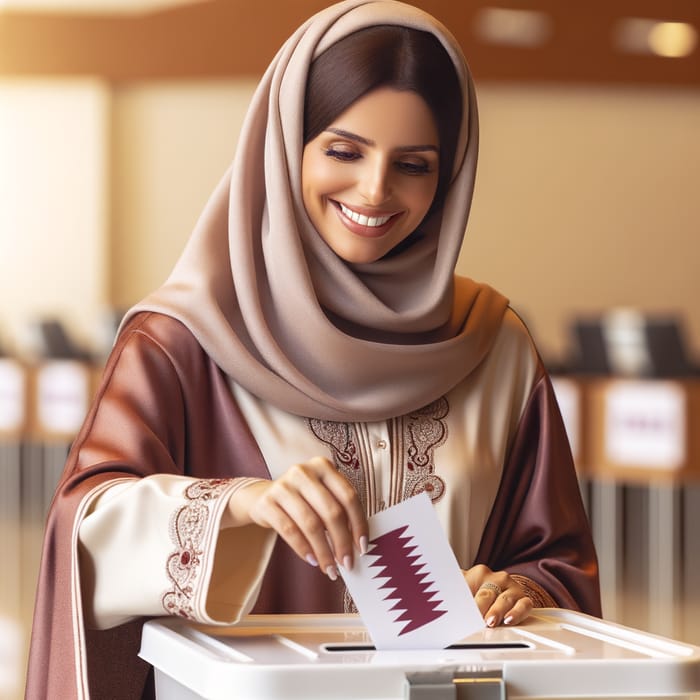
(586, 200)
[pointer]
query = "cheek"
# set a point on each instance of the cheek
(309, 186)
(421, 197)
(319, 175)
(317, 185)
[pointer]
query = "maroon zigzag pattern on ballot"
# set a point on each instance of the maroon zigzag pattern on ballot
(405, 583)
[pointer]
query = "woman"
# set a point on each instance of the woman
(311, 360)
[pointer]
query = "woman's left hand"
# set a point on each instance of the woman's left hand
(501, 599)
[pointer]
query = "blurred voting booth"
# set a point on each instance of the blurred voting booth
(627, 342)
(42, 405)
(554, 654)
(631, 404)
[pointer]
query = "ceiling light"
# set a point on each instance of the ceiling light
(520, 28)
(667, 39)
(673, 39)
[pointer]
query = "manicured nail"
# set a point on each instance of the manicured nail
(364, 545)
(332, 572)
(508, 620)
(311, 559)
(491, 621)
(347, 562)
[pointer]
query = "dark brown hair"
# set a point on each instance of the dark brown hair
(394, 56)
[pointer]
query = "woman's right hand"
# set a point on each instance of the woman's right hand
(312, 507)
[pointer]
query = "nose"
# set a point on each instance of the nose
(375, 185)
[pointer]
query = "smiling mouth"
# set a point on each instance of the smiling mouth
(362, 220)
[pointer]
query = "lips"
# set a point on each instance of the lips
(363, 224)
(371, 221)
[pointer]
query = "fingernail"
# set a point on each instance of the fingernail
(508, 620)
(491, 621)
(364, 545)
(347, 562)
(311, 559)
(332, 572)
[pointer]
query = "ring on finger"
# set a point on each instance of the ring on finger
(491, 587)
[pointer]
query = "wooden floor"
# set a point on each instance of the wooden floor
(646, 540)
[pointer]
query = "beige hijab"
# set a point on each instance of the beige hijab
(286, 318)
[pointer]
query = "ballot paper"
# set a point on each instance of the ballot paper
(408, 588)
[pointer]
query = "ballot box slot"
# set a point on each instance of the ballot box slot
(478, 646)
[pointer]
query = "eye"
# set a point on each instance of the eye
(409, 167)
(341, 154)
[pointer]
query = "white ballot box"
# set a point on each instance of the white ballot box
(554, 654)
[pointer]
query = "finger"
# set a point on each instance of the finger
(284, 510)
(331, 499)
(519, 612)
(352, 519)
(512, 605)
(485, 585)
(475, 576)
(335, 502)
(486, 596)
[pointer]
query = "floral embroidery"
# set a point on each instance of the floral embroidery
(348, 603)
(187, 528)
(341, 438)
(424, 431)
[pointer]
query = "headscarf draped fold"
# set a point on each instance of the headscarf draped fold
(280, 312)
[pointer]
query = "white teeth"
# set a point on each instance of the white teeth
(371, 221)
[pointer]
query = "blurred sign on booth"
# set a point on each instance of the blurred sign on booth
(13, 397)
(645, 424)
(640, 430)
(569, 396)
(62, 394)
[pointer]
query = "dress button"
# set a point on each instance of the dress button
(381, 444)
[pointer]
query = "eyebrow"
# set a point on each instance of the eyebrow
(368, 142)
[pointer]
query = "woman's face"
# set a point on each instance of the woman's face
(369, 179)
